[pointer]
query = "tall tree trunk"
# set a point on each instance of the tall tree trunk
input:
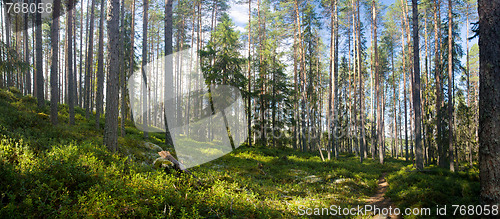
(450, 85)
(74, 81)
(467, 69)
(249, 66)
(131, 69)
(100, 69)
(380, 128)
(355, 141)
(404, 89)
(27, 86)
(439, 90)
(302, 76)
(362, 143)
(335, 81)
(396, 136)
(89, 61)
(489, 101)
(111, 125)
(69, 63)
(261, 76)
(144, 63)
(168, 65)
(39, 59)
(329, 123)
(296, 86)
(8, 23)
(416, 88)
(54, 84)
(80, 92)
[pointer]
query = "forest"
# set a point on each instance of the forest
(249, 108)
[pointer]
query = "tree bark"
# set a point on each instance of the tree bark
(489, 101)
(27, 86)
(416, 88)
(39, 59)
(69, 62)
(100, 69)
(131, 69)
(249, 66)
(54, 84)
(450, 85)
(80, 92)
(362, 140)
(111, 125)
(89, 63)
(439, 90)
(335, 81)
(144, 63)
(330, 126)
(168, 65)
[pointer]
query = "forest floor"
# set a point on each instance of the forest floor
(380, 200)
(63, 171)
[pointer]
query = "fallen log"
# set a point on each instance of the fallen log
(177, 165)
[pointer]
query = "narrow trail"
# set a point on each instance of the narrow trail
(380, 200)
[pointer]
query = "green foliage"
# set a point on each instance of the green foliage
(62, 171)
(409, 188)
(221, 63)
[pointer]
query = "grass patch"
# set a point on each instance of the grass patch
(433, 186)
(63, 171)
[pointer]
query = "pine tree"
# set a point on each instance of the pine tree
(111, 125)
(89, 63)
(54, 84)
(39, 59)
(100, 70)
(416, 88)
(489, 100)
(69, 63)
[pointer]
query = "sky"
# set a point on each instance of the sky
(239, 15)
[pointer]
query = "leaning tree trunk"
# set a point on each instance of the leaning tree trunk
(489, 101)
(145, 88)
(168, 65)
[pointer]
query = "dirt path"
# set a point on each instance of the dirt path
(379, 198)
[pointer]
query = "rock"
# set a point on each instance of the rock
(152, 146)
(380, 216)
(312, 179)
(162, 163)
(337, 181)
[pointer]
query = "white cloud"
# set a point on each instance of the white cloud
(239, 14)
(241, 29)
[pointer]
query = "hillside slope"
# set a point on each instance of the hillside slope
(63, 171)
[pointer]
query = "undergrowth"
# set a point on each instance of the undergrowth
(433, 187)
(65, 171)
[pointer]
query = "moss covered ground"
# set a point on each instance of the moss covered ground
(65, 171)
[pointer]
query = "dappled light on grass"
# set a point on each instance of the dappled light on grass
(66, 172)
(433, 186)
